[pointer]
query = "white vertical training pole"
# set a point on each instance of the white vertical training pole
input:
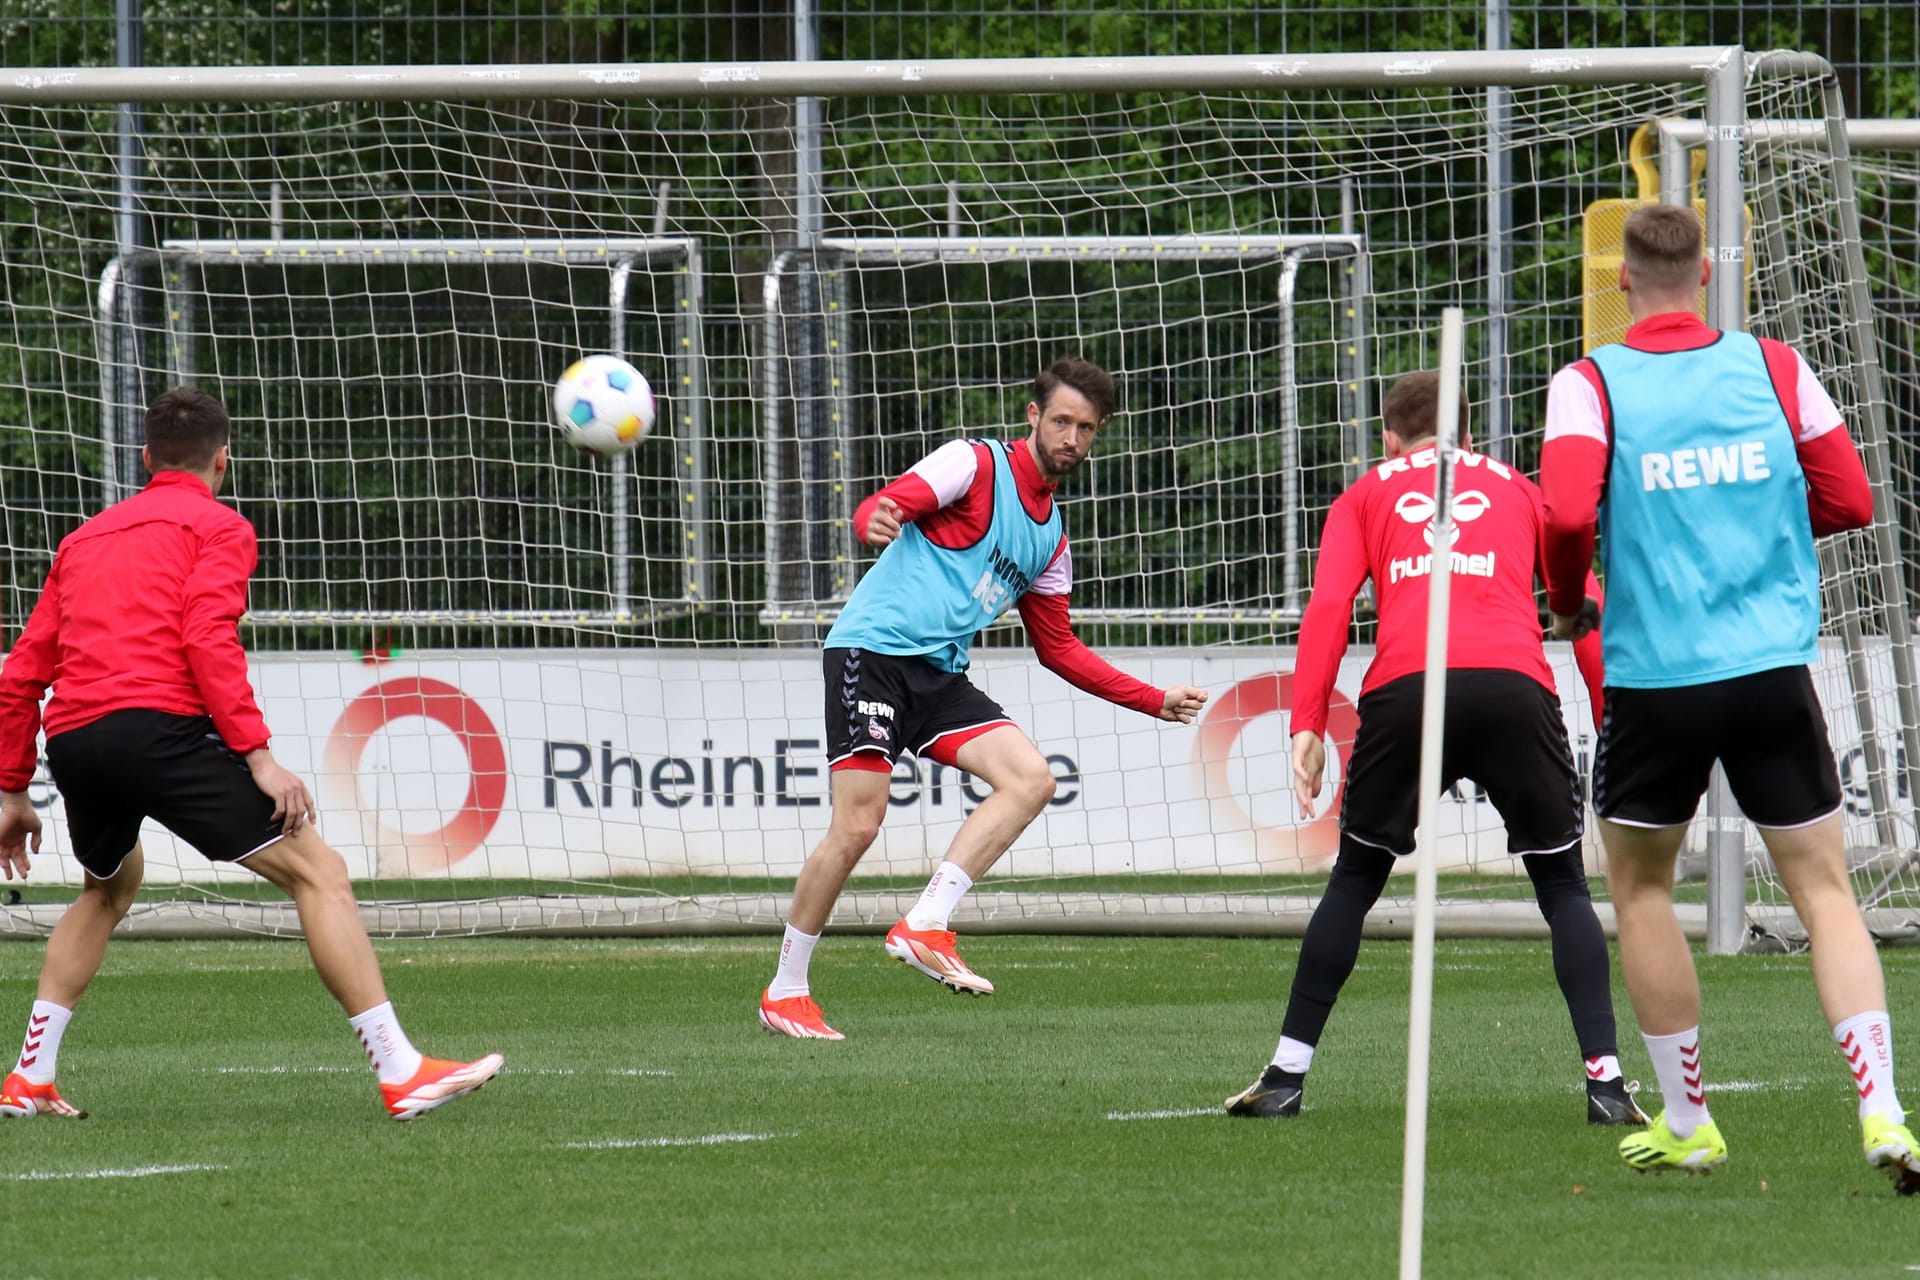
(1413, 1190)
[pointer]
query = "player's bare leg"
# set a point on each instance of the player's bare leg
(79, 942)
(1022, 785)
(859, 805)
(1654, 957)
(75, 949)
(306, 869)
(1813, 870)
(1665, 989)
(1853, 994)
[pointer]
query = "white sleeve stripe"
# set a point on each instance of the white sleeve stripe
(948, 470)
(1573, 407)
(1818, 413)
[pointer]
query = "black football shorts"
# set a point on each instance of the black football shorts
(1504, 730)
(131, 765)
(1657, 748)
(883, 705)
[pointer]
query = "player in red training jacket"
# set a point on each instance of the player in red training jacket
(152, 716)
(1503, 730)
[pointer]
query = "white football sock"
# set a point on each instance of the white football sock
(1293, 1056)
(1683, 1090)
(1867, 1041)
(393, 1055)
(40, 1051)
(796, 953)
(1604, 1067)
(939, 898)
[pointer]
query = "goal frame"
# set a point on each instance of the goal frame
(1289, 251)
(181, 263)
(1721, 71)
(1729, 912)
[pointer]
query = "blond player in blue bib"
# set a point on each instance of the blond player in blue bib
(1707, 462)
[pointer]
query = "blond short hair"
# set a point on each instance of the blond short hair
(1662, 243)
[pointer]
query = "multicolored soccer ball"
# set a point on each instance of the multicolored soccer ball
(603, 405)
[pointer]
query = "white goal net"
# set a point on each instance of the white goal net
(539, 691)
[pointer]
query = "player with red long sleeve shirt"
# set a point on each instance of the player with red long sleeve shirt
(152, 716)
(1503, 729)
(1705, 462)
(970, 531)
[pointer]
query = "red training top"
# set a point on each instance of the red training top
(949, 494)
(141, 609)
(1381, 528)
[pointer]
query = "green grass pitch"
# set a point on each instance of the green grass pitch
(1066, 1126)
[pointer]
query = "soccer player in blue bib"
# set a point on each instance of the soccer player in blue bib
(1707, 462)
(972, 530)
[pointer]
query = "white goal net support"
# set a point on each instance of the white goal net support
(541, 692)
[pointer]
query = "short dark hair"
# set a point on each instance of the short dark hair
(185, 428)
(1662, 243)
(1089, 379)
(1412, 408)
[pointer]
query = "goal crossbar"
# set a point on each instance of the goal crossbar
(1199, 72)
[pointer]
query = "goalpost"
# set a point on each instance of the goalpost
(1862, 683)
(537, 692)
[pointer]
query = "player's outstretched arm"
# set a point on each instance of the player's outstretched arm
(1182, 703)
(19, 830)
(1050, 626)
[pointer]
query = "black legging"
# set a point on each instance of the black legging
(1332, 942)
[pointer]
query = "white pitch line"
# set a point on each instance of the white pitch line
(1752, 1086)
(705, 1140)
(145, 1171)
(1163, 1115)
(284, 1071)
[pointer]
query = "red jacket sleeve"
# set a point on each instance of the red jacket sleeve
(1064, 654)
(1587, 656)
(1573, 470)
(210, 626)
(1323, 631)
(914, 496)
(1838, 495)
(23, 685)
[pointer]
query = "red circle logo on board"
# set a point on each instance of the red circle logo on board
(447, 706)
(1307, 845)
